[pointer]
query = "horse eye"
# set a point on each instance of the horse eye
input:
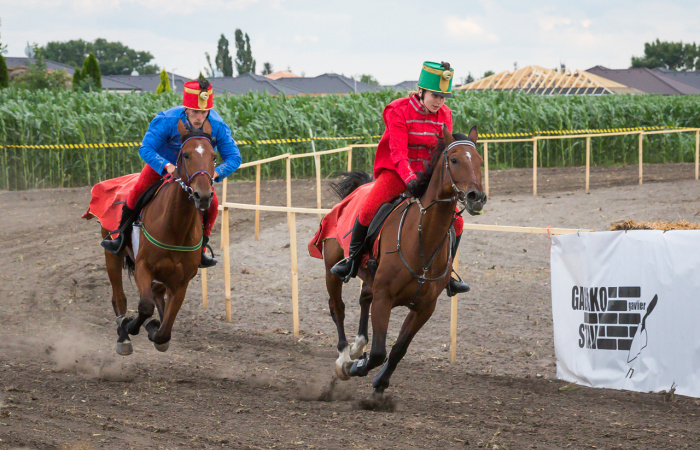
(186, 156)
(453, 160)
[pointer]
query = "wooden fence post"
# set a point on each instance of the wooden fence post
(318, 184)
(349, 158)
(224, 190)
(641, 157)
(486, 168)
(291, 218)
(205, 299)
(453, 318)
(227, 264)
(257, 202)
(697, 153)
(588, 163)
(534, 166)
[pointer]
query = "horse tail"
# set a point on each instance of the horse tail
(349, 182)
(129, 265)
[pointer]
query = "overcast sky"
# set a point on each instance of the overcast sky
(387, 39)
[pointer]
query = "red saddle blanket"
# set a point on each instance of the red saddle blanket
(106, 201)
(338, 224)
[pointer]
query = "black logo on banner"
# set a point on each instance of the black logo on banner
(612, 318)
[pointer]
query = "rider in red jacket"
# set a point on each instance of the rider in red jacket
(413, 126)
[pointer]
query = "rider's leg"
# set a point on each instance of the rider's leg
(209, 261)
(147, 177)
(456, 285)
(387, 186)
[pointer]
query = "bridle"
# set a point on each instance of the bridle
(461, 197)
(187, 185)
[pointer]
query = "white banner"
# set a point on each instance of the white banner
(626, 309)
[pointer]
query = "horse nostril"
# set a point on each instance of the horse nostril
(472, 197)
(196, 195)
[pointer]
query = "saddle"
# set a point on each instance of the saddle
(375, 228)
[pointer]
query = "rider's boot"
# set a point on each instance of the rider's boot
(347, 268)
(206, 261)
(456, 286)
(128, 218)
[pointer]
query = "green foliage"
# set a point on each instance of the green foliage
(91, 70)
(244, 57)
(369, 79)
(77, 79)
(223, 57)
(114, 57)
(669, 55)
(39, 77)
(4, 75)
(164, 85)
(488, 73)
(267, 69)
(64, 117)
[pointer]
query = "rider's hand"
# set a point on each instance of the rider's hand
(170, 168)
(412, 188)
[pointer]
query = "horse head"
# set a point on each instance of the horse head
(197, 157)
(461, 167)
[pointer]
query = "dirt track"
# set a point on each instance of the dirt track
(251, 384)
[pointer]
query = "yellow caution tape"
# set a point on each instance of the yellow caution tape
(321, 138)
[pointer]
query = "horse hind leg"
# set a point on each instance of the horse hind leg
(332, 253)
(114, 264)
(358, 347)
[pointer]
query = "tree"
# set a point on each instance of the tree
(77, 79)
(369, 79)
(669, 55)
(223, 57)
(210, 70)
(244, 57)
(488, 73)
(469, 79)
(38, 77)
(4, 76)
(92, 70)
(164, 85)
(114, 57)
(267, 68)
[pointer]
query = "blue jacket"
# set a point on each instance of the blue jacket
(161, 143)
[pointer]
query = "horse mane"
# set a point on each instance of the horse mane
(349, 182)
(424, 177)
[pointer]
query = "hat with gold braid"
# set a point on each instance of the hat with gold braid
(199, 94)
(437, 77)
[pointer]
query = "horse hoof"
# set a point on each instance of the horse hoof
(162, 347)
(340, 373)
(124, 348)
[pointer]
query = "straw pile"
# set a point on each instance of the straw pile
(665, 226)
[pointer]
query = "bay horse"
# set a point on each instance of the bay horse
(414, 261)
(170, 242)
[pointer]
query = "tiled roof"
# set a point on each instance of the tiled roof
(646, 80)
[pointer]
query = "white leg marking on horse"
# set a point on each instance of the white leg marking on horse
(343, 357)
(358, 347)
(200, 149)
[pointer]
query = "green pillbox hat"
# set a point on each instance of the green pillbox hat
(436, 77)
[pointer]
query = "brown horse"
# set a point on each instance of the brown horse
(414, 263)
(169, 248)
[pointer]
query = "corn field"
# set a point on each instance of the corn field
(52, 118)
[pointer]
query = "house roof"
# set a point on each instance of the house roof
(251, 82)
(148, 83)
(12, 61)
(646, 80)
(539, 80)
(328, 83)
(690, 78)
(405, 86)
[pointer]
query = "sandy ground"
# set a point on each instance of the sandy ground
(251, 384)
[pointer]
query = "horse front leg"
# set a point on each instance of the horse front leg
(160, 332)
(146, 302)
(414, 321)
(114, 266)
(332, 253)
(381, 311)
(358, 347)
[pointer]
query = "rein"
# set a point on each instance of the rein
(461, 198)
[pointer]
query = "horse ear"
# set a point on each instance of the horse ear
(447, 137)
(181, 128)
(473, 134)
(207, 127)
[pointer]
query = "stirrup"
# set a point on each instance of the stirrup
(113, 245)
(456, 286)
(335, 269)
(206, 260)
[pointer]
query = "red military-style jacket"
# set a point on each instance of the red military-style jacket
(410, 137)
